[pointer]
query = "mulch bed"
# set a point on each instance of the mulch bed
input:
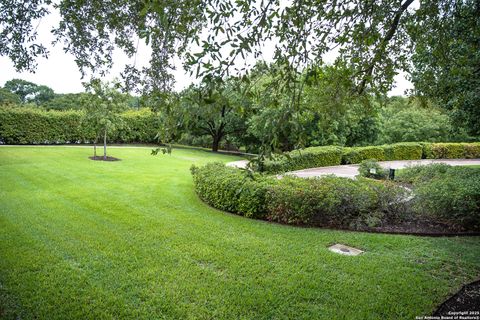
(422, 228)
(465, 302)
(100, 158)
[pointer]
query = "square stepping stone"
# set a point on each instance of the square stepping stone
(345, 250)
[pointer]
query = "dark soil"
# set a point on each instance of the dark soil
(465, 302)
(100, 158)
(421, 227)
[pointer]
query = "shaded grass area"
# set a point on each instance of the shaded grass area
(82, 239)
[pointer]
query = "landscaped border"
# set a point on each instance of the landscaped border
(333, 156)
(332, 202)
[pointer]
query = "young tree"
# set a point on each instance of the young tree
(103, 107)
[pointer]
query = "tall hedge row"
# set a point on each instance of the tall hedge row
(332, 156)
(32, 126)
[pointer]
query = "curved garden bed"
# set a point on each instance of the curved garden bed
(439, 200)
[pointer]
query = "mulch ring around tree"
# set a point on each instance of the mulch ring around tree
(101, 158)
(465, 302)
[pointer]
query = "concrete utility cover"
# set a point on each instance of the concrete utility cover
(346, 250)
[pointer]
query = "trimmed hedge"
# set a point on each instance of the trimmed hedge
(327, 201)
(34, 126)
(357, 155)
(441, 195)
(231, 189)
(403, 151)
(29, 126)
(451, 150)
(332, 156)
(306, 158)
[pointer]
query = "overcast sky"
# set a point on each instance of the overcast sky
(60, 72)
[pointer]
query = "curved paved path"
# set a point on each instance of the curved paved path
(350, 171)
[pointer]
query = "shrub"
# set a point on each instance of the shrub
(452, 150)
(446, 194)
(371, 169)
(306, 158)
(452, 196)
(36, 126)
(403, 151)
(326, 201)
(30, 126)
(416, 174)
(357, 155)
(231, 189)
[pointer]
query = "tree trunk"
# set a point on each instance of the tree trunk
(95, 149)
(105, 144)
(216, 143)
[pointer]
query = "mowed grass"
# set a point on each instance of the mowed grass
(82, 239)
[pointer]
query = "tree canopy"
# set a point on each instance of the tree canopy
(436, 42)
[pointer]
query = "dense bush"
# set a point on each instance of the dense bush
(306, 158)
(29, 126)
(331, 156)
(328, 201)
(445, 193)
(441, 194)
(451, 150)
(357, 155)
(140, 126)
(406, 122)
(371, 169)
(403, 151)
(35, 126)
(231, 189)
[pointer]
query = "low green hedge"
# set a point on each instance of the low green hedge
(357, 155)
(332, 156)
(231, 189)
(36, 126)
(403, 151)
(306, 158)
(451, 150)
(328, 201)
(441, 194)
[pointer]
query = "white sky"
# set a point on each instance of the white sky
(60, 72)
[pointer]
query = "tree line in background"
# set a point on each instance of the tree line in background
(254, 113)
(298, 100)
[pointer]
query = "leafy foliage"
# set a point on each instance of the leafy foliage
(452, 150)
(103, 108)
(36, 126)
(232, 190)
(8, 98)
(215, 108)
(357, 155)
(412, 123)
(29, 91)
(306, 158)
(371, 169)
(450, 194)
(446, 63)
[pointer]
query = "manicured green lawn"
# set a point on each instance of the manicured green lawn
(89, 240)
